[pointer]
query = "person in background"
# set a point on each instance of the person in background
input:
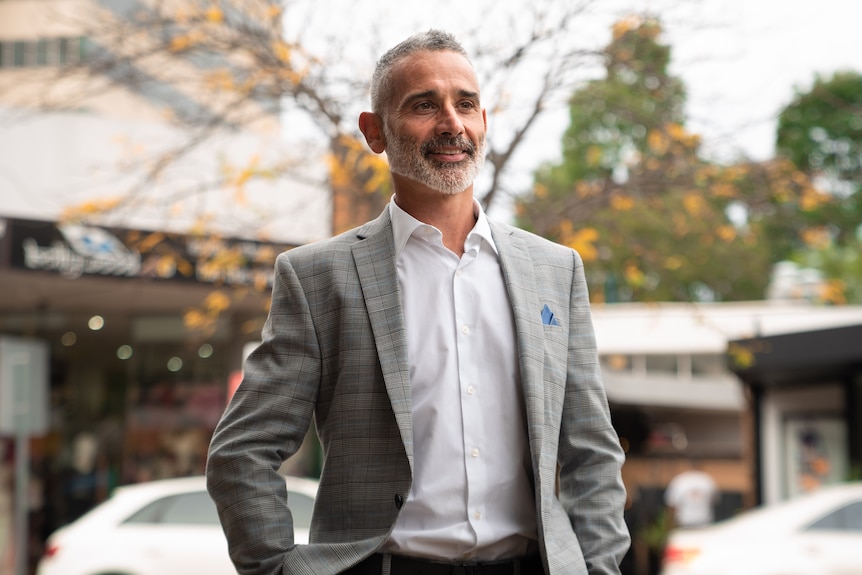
(449, 363)
(691, 496)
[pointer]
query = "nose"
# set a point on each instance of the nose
(449, 123)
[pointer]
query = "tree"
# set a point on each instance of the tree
(632, 195)
(820, 131)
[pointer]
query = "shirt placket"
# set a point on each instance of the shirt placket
(468, 330)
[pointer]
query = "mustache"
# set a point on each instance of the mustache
(448, 142)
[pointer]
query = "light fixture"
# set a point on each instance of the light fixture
(175, 364)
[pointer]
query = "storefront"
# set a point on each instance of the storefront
(806, 391)
(145, 333)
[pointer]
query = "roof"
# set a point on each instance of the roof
(802, 357)
(675, 327)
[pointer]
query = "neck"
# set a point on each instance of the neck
(451, 214)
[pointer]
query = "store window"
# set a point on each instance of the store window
(708, 364)
(661, 363)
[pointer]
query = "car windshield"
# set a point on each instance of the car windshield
(196, 508)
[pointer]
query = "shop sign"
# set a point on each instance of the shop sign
(74, 250)
(82, 249)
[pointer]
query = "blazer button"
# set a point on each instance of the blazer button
(399, 501)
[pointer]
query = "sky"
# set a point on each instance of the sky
(744, 71)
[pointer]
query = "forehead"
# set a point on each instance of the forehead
(439, 72)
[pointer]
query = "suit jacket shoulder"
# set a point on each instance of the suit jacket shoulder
(540, 250)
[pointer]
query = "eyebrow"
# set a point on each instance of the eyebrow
(469, 94)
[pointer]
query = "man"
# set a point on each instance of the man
(691, 497)
(449, 363)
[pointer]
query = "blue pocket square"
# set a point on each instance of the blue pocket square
(548, 316)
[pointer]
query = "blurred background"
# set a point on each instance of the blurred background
(703, 156)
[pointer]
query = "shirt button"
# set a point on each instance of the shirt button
(465, 329)
(475, 452)
(458, 272)
(470, 390)
(477, 515)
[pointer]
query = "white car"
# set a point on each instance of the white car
(815, 534)
(165, 527)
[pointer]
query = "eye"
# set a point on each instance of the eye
(468, 105)
(423, 106)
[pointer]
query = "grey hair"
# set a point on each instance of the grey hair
(430, 41)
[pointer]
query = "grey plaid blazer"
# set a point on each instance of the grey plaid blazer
(334, 348)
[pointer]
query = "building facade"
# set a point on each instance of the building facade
(678, 403)
(146, 310)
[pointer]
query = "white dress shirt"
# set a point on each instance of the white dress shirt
(472, 495)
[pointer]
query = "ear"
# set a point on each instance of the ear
(371, 126)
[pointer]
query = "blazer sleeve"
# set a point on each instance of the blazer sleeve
(264, 424)
(590, 456)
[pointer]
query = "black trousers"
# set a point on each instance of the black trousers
(402, 565)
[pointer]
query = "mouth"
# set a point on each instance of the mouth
(448, 155)
(451, 150)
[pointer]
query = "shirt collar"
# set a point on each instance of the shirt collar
(404, 225)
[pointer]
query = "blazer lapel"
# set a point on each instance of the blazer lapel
(375, 265)
(520, 281)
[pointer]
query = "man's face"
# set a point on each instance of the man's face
(434, 125)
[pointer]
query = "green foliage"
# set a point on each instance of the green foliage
(632, 195)
(820, 131)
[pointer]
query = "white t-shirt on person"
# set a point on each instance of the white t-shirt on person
(692, 495)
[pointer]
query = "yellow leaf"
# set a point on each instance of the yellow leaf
(215, 15)
(657, 142)
(832, 291)
(740, 355)
(622, 202)
(217, 301)
(540, 191)
(724, 190)
(180, 43)
(625, 25)
(594, 155)
(582, 241)
(694, 204)
(282, 51)
(634, 276)
(817, 238)
(673, 263)
(726, 233)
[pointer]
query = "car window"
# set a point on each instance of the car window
(196, 508)
(193, 508)
(846, 518)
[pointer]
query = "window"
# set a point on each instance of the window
(708, 364)
(196, 508)
(193, 508)
(616, 362)
(846, 518)
(42, 53)
(661, 364)
(19, 54)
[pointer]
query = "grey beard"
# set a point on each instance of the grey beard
(447, 178)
